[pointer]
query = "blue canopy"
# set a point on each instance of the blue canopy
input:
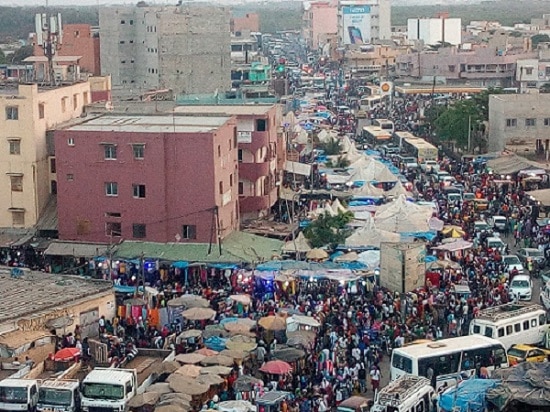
(180, 264)
(430, 258)
(468, 396)
(215, 343)
(353, 265)
(420, 235)
(222, 266)
(126, 289)
(228, 320)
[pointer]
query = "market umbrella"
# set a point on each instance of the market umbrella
(276, 367)
(288, 354)
(348, 257)
(218, 360)
(306, 320)
(245, 383)
(166, 367)
(241, 343)
(198, 313)
(160, 388)
(170, 408)
(209, 379)
(206, 352)
(220, 333)
(190, 358)
(216, 370)
(190, 301)
(236, 406)
(66, 354)
(272, 323)
(187, 385)
(173, 395)
(442, 264)
(235, 354)
(244, 299)
(452, 231)
(191, 371)
(236, 327)
(175, 405)
(300, 340)
(147, 398)
(317, 254)
(191, 333)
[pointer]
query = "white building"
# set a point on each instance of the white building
(363, 22)
(432, 31)
(531, 74)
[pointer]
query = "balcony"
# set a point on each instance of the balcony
(253, 171)
(487, 75)
(257, 203)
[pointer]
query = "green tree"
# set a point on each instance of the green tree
(329, 230)
(339, 163)
(22, 53)
(539, 38)
(330, 147)
(2, 57)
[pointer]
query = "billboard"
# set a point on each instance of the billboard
(402, 266)
(356, 24)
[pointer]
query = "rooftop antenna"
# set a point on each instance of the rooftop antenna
(49, 36)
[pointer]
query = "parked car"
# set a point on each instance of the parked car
(526, 353)
(521, 286)
(468, 197)
(513, 262)
(496, 243)
(531, 253)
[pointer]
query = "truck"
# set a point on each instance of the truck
(59, 395)
(18, 394)
(407, 393)
(108, 389)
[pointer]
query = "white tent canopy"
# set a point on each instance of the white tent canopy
(369, 235)
(298, 245)
(337, 207)
(398, 190)
(368, 190)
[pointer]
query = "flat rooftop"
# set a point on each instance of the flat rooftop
(36, 292)
(152, 124)
(228, 110)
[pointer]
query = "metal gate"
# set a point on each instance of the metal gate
(89, 323)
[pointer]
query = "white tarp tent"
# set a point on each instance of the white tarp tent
(370, 235)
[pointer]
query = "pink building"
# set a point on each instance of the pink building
(163, 178)
(320, 20)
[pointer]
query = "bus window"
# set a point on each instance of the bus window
(477, 329)
(526, 325)
(488, 331)
(542, 319)
(402, 363)
(500, 332)
(508, 330)
(533, 323)
(499, 357)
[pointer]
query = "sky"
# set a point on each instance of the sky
(130, 2)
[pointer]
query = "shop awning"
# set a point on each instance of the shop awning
(510, 164)
(15, 237)
(76, 249)
(298, 168)
(542, 196)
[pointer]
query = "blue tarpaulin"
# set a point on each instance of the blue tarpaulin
(468, 396)
(126, 289)
(180, 264)
(420, 235)
(222, 266)
(215, 343)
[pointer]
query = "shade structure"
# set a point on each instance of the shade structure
(289, 354)
(189, 301)
(355, 402)
(206, 352)
(191, 371)
(236, 406)
(166, 367)
(317, 254)
(246, 383)
(217, 332)
(397, 191)
(170, 408)
(186, 385)
(370, 235)
(173, 395)
(459, 244)
(272, 323)
(198, 313)
(191, 333)
(209, 379)
(306, 320)
(368, 190)
(374, 171)
(218, 360)
(66, 354)
(244, 299)
(160, 388)
(298, 245)
(276, 367)
(301, 338)
(216, 370)
(241, 343)
(190, 358)
(453, 231)
(442, 264)
(146, 398)
(237, 327)
(235, 354)
(347, 257)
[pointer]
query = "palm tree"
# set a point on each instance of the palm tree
(331, 147)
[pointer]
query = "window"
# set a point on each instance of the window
(219, 151)
(113, 214)
(111, 189)
(189, 232)
(542, 319)
(477, 329)
(139, 231)
(517, 327)
(530, 122)
(526, 325)
(53, 169)
(221, 188)
(110, 151)
(15, 146)
(131, 22)
(240, 155)
(18, 217)
(547, 70)
(83, 227)
(452, 68)
(70, 177)
(500, 332)
(488, 331)
(122, 22)
(85, 98)
(508, 330)
(16, 183)
(241, 188)
(64, 104)
(231, 180)
(75, 101)
(261, 125)
(12, 113)
(139, 191)
(528, 70)
(53, 187)
(41, 109)
(139, 151)
(113, 228)
(511, 122)
(70, 141)
(533, 323)
(402, 363)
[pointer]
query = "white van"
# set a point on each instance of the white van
(512, 324)
(18, 394)
(405, 394)
(496, 243)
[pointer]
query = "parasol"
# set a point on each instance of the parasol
(166, 367)
(147, 398)
(160, 388)
(235, 354)
(218, 360)
(289, 354)
(442, 264)
(206, 352)
(306, 320)
(191, 371)
(189, 301)
(170, 407)
(216, 370)
(272, 323)
(209, 379)
(198, 313)
(220, 333)
(276, 367)
(317, 254)
(66, 354)
(246, 383)
(232, 406)
(190, 358)
(187, 385)
(167, 397)
(244, 299)
(191, 333)
(453, 231)
(241, 343)
(348, 257)
(236, 327)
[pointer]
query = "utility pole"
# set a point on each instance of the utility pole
(469, 133)
(49, 35)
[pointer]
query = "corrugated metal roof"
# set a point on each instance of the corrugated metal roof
(512, 163)
(18, 338)
(76, 249)
(48, 217)
(15, 237)
(236, 248)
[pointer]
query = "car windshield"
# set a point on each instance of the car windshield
(13, 395)
(517, 353)
(534, 253)
(511, 260)
(57, 397)
(409, 160)
(103, 391)
(520, 284)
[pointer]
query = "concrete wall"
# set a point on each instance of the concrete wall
(30, 129)
(434, 30)
(249, 22)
